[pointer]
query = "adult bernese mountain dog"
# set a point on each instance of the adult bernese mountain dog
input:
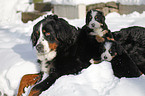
(61, 50)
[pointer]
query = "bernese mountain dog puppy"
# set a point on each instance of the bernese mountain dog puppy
(61, 50)
(95, 21)
(122, 63)
(132, 39)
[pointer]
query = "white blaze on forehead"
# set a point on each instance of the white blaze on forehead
(106, 54)
(41, 34)
(93, 21)
(94, 13)
(48, 55)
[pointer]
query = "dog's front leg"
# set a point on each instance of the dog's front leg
(28, 80)
(44, 85)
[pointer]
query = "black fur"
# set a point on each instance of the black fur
(132, 40)
(72, 54)
(90, 44)
(122, 64)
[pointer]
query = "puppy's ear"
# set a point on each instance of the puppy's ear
(103, 17)
(88, 17)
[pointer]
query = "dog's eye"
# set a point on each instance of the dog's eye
(47, 34)
(96, 17)
(37, 32)
(90, 17)
(104, 50)
(110, 51)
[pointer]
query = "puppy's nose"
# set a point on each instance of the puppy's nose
(40, 48)
(93, 24)
(105, 57)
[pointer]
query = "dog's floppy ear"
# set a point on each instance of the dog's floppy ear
(88, 17)
(35, 35)
(101, 16)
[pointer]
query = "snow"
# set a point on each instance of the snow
(17, 57)
(75, 2)
(87, 2)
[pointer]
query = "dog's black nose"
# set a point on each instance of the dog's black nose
(93, 24)
(40, 48)
(105, 57)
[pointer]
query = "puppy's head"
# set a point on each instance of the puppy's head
(43, 37)
(94, 19)
(109, 50)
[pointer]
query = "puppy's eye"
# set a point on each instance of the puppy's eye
(96, 17)
(104, 50)
(90, 17)
(110, 51)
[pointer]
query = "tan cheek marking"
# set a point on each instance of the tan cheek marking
(53, 46)
(114, 55)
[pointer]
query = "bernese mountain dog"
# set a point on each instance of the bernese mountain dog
(61, 50)
(95, 20)
(132, 39)
(122, 63)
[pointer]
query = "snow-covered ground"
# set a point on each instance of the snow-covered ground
(17, 57)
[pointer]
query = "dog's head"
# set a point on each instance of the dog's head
(110, 49)
(51, 32)
(95, 19)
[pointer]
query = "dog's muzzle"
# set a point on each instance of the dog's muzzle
(40, 48)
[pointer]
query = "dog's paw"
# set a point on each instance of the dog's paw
(28, 80)
(100, 39)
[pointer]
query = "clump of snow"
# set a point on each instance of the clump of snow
(11, 10)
